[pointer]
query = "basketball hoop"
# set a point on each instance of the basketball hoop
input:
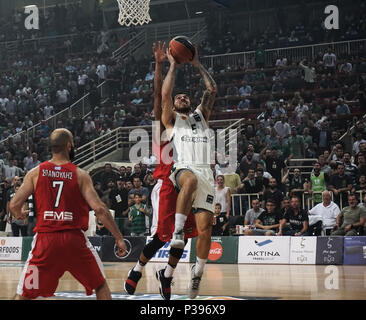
(133, 12)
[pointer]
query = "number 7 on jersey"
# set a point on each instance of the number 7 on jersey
(59, 191)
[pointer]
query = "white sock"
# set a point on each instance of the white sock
(169, 270)
(200, 265)
(139, 267)
(180, 220)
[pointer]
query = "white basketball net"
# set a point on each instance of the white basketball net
(133, 12)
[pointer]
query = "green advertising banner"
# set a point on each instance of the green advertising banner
(223, 250)
(26, 247)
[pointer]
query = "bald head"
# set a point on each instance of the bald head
(59, 139)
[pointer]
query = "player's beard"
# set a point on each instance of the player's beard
(184, 110)
(72, 153)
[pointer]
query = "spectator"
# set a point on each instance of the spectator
(326, 212)
(18, 226)
(137, 189)
(11, 170)
(232, 179)
(252, 184)
(350, 168)
(301, 109)
(137, 172)
(101, 72)
(277, 87)
(361, 185)
(342, 108)
(296, 144)
(275, 165)
(279, 111)
(323, 138)
(281, 62)
(35, 162)
(106, 175)
(340, 185)
(252, 214)
(247, 163)
(282, 127)
(118, 199)
(357, 143)
(354, 218)
(220, 222)
(245, 90)
(329, 60)
(223, 195)
(361, 167)
(285, 206)
(318, 183)
(89, 126)
(268, 221)
(260, 57)
(309, 74)
(295, 182)
(63, 97)
(295, 222)
(137, 215)
(272, 193)
(345, 67)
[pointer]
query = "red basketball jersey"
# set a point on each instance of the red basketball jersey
(165, 160)
(59, 202)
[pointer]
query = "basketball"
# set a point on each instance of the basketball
(182, 49)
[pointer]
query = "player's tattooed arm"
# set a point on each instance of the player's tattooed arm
(208, 98)
(209, 95)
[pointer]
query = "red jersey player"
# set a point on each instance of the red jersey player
(163, 198)
(63, 193)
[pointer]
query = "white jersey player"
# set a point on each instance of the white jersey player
(191, 173)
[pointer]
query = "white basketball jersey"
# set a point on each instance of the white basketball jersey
(191, 140)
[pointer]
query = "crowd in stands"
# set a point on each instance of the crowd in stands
(307, 30)
(293, 110)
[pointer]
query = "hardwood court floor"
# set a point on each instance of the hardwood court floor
(290, 282)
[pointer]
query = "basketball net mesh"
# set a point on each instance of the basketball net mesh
(133, 12)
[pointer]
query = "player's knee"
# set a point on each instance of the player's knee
(205, 230)
(176, 252)
(152, 247)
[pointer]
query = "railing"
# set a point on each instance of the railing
(119, 139)
(44, 41)
(242, 202)
(303, 164)
(166, 31)
(131, 46)
(294, 53)
(78, 108)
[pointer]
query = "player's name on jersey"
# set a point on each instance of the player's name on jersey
(57, 174)
(194, 139)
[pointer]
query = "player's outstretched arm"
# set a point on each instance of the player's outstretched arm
(209, 95)
(25, 190)
(101, 210)
(168, 114)
(160, 56)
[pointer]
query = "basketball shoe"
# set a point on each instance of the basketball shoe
(194, 284)
(132, 280)
(165, 284)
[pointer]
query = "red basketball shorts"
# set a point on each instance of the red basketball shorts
(54, 253)
(164, 199)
